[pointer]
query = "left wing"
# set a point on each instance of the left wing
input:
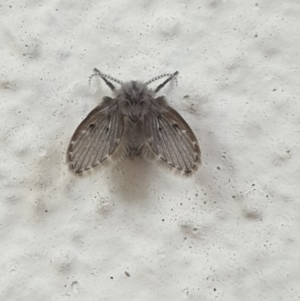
(96, 138)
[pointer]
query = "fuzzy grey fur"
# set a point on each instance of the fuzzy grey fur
(134, 123)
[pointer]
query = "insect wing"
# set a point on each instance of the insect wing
(172, 140)
(96, 138)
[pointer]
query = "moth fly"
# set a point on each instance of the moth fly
(136, 122)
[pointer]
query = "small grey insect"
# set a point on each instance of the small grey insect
(134, 123)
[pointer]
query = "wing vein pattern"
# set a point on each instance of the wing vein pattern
(171, 140)
(96, 138)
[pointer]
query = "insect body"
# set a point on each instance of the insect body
(134, 123)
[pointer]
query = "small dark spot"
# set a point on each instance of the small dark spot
(175, 126)
(111, 277)
(127, 274)
(218, 167)
(106, 130)
(215, 289)
(160, 129)
(46, 210)
(163, 220)
(92, 126)
(252, 215)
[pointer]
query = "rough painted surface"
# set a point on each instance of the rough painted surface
(134, 232)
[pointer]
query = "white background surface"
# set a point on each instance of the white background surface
(229, 233)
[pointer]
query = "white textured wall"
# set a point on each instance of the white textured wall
(229, 233)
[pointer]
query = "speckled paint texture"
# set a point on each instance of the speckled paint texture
(134, 231)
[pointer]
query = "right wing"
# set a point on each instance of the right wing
(172, 141)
